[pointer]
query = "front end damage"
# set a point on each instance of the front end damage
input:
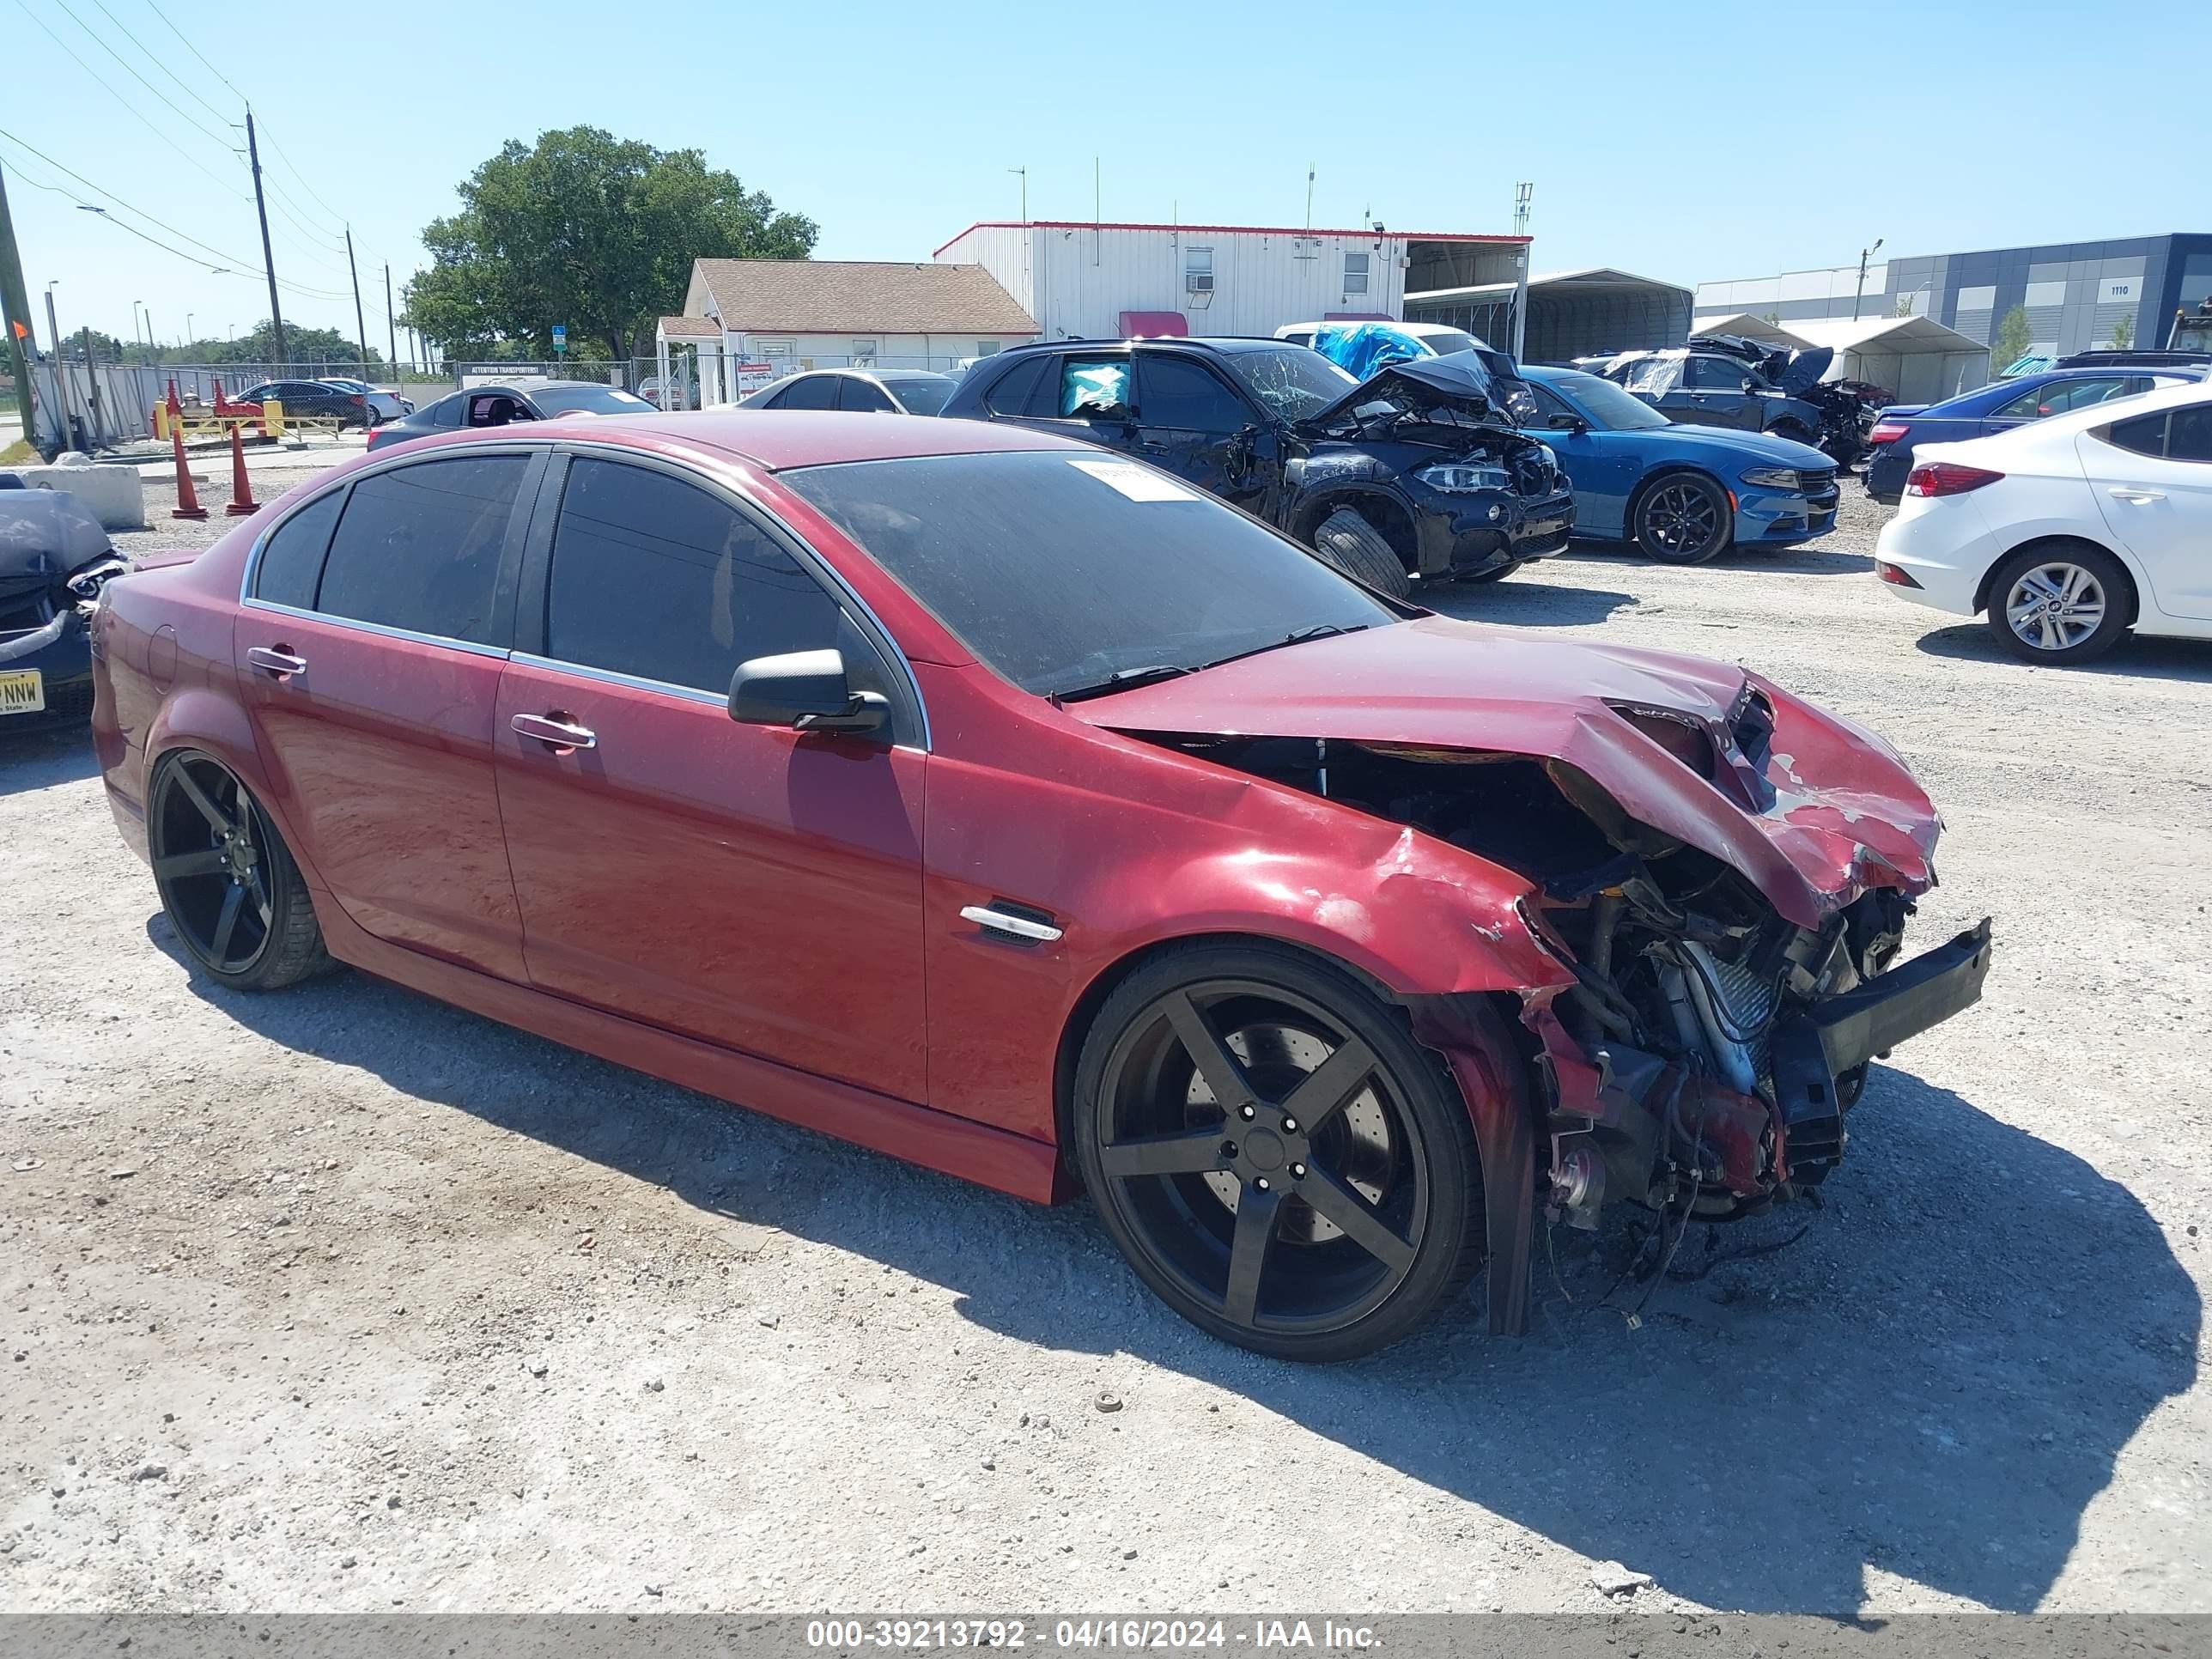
(1725, 873)
(54, 559)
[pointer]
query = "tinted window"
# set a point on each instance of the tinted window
(1015, 391)
(921, 397)
(589, 400)
(863, 396)
(2145, 435)
(1093, 386)
(654, 577)
(2059, 396)
(1175, 392)
(494, 409)
(448, 411)
(419, 546)
(1716, 374)
(292, 559)
(810, 391)
(2189, 437)
(1608, 407)
(1144, 570)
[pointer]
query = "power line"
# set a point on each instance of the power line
(125, 102)
(190, 90)
(302, 177)
(190, 48)
(232, 261)
(182, 114)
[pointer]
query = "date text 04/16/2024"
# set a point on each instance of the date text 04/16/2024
(1144, 1635)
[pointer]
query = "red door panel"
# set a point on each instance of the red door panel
(381, 750)
(735, 883)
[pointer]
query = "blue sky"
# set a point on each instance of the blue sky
(1686, 143)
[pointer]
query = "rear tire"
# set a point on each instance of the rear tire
(1354, 546)
(227, 883)
(2060, 604)
(1278, 1160)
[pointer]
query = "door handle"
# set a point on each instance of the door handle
(562, 737)
(2136, 497)
(277, 661)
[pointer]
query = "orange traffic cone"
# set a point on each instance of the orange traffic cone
(241, 494)
(219, 410)
(188, 501)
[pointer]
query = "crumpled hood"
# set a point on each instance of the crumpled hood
(1806, 369)
(1846, 813)
(1461, 382)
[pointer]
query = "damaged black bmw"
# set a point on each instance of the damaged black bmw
(1415, 472)
(54, 556)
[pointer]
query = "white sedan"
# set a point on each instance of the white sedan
(2069, 532)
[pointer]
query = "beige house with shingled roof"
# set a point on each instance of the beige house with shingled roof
(747, 322)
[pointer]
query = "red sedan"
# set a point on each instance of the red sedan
(1013, 808)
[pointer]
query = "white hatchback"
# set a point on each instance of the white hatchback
(2068, 532)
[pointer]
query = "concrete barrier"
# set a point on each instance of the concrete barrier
(113, 495)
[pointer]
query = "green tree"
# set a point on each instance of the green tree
(2123, 333)
(588, 230)
(2013, 339)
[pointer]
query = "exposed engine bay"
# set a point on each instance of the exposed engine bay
(1704, 1063)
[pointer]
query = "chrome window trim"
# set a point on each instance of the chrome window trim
(498, 653)
(827, 567)
(609, 676)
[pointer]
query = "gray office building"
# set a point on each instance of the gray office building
(2076, 294)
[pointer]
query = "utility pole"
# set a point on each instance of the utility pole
(1859, 293)
(391, 323)
(360, 328)
(269, 259)
(16, 303)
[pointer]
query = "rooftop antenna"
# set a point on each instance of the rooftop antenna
(1097, 210)
(1024, 174)
(1522, 192)
(1309, 182)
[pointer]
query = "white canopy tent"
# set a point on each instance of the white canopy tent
(1918, 358)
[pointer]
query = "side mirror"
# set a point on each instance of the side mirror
(1750, 384)
(1574, 423)
(806, 691)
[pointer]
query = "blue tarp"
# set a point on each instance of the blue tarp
(1360, 348)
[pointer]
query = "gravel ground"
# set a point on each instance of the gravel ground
(341, 1299)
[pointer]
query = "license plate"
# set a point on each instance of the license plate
(22, 691)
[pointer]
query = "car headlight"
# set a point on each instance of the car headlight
(1774, 477)
(1459, 477)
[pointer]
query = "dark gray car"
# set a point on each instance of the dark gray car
(1716, 388)
(869, 391)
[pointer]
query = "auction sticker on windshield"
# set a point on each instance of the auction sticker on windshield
(24, 690)
(1139, 484)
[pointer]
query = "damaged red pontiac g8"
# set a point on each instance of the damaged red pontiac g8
(1011, 807)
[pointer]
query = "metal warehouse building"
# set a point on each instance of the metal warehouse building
(1571, 313)
(2076, 294)
(1085, 281)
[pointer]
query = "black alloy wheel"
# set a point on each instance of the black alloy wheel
(1683, 520)
(227, 881)
(1275, 1156)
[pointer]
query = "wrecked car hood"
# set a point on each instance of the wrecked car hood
(1805, 369)
(44, 534)
(1461, 383)
(1838, 813)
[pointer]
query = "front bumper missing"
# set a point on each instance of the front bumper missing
(1818, 1056)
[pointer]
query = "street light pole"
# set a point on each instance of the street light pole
(1865, 253)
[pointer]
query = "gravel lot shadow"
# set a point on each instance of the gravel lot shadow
(1935, 1381)
(39, 760)
(1518, 603)
(1807, 558)
(2187, 661)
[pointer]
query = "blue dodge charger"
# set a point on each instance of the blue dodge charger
(1682, 494)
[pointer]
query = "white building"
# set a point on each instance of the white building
(749, 321)
(1084, 281)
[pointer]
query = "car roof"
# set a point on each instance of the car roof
(775, 439)
(1228, 343)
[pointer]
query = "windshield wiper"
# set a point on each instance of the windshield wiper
(1296, 637)
(1122, 679)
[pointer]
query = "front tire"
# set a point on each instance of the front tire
(227, 883)
(1683, 519)
(1357, 547)
(2061, 603)
(1276, 1156)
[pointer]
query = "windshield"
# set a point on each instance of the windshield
(1608, 407)
(1291, 384)
(1062, 568)
(921, 396)
(588, 400)
(1445, 341)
